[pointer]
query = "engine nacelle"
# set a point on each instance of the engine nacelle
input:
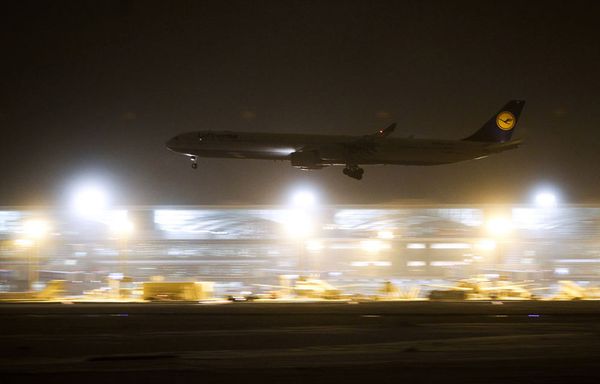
(306, 160)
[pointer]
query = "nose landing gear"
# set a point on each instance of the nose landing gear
(194, 162)
(354, 171)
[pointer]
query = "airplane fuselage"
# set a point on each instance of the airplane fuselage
(328, 149)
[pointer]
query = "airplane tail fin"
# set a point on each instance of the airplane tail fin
(500, 127)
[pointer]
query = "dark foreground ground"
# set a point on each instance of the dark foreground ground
(399, 342)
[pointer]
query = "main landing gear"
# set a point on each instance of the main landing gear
(354, 171)
(194, 162)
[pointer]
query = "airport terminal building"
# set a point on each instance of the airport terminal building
(240, 246)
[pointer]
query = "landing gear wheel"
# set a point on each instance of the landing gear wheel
(354, 172)
(359, 173)
(194, 162)
(194, 165)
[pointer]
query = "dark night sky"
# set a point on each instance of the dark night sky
(97, 87)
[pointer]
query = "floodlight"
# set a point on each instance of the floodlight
(545, 200)
(304, 199)
(35, 229)
(90, 202)
(499, 226)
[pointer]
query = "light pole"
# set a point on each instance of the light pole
(545, 201)
(90, 202)
(299, 226)
(314, 248)
(500, 227)
(35, 230)
(299, 222)
(122, 229)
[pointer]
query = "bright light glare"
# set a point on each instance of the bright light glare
(385, 234)
(450, 246)
(304, 199)
(299, 224)
(561, 271)
(416, 263)
(486, 245)
(90, 202)
(25, 243)
(36, 229)
(115, 276)
(499, 226)
(373, 245)
(314, 245)
(545, 200)
(446, 263)
(121, 226)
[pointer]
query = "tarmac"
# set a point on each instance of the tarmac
(416, 342)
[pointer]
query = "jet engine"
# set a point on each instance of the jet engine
(306, 160)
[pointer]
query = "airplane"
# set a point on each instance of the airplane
(311, 151)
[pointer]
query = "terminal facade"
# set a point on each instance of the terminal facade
(242, 246)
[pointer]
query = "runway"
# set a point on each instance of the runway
(466, 342)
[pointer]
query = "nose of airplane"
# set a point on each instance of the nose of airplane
(173, 143)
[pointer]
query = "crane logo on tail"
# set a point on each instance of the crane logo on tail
(505, 120)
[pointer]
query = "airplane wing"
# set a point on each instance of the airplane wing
(387, 131)
(366, 144)
(382, 132)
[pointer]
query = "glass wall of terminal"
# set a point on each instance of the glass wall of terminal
(241, 247)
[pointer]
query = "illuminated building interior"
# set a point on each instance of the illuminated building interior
(240, 246)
